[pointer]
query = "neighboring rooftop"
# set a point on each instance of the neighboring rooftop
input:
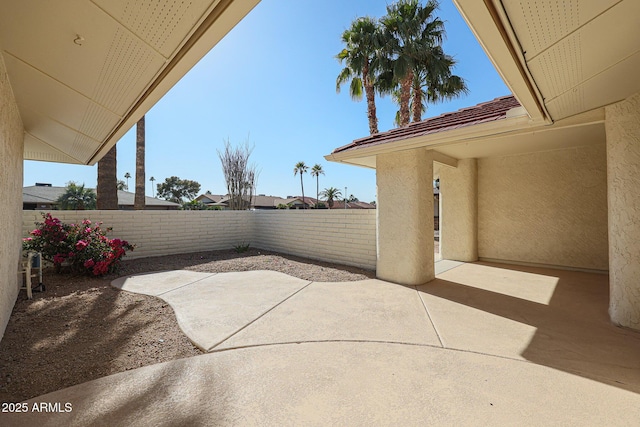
(482, 113)
(47, 194)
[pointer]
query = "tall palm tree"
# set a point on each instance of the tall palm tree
(108, 181)
(331, 194)
(411, 32)
(316, 171)
(127, 176)
(153, 190)
(76, 197)
(139, 201)
(362, 41)
(434, 82)
(301, 168)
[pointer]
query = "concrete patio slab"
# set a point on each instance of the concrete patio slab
(442, 265)
(551, 317)
(160, 282)
(368, 310)
(214, 308)
(357, 384)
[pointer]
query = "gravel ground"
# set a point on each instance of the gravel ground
(82, 328)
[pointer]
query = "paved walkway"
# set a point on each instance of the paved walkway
(483, 344)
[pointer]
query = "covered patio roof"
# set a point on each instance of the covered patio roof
(84, 72)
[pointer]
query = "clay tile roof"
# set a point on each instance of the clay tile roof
(482, 113)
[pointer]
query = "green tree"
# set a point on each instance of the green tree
(412, 44)
(360, 55)
(121, 185)
(139, 198)
(352, 198)
(316, 171)
(107, 197)
(78, 198)
(176, 190)
(331, 194)
(301, 168)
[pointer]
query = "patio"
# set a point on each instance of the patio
(482, 344)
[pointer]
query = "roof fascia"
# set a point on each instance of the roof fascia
(490, 25)
(512, 126)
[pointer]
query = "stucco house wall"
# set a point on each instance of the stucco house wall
(546, 208)
(11, 152)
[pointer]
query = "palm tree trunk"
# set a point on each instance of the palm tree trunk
(304, 206)
(371, 101)
(417, 101)
(139, 202)
(405, 96)
(317, 190)
(107, 181)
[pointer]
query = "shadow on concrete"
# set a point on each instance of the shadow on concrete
(573, 331)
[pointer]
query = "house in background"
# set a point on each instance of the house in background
(45, 196)
(339, 204)
(75, 76)
(548, 176)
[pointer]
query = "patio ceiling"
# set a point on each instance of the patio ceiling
(560, 58)
(84, 72)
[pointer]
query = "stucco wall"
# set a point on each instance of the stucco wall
(622, 125)
(459, 221)
(346, 237)
(11, 155)
(547, 208)
(405, 220)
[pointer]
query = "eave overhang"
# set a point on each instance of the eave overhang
(84, 72)
(511, 135)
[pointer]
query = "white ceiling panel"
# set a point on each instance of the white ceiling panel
(59, 136)
(541, 23)
(47, 42)
(35, 149)
(162, 25)
(84, 71)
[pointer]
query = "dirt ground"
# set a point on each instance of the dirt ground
(81, 328)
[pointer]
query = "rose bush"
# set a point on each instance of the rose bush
(84, 246)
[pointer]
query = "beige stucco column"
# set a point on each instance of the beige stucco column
(405, 216)
(459, 221)
(622, 125)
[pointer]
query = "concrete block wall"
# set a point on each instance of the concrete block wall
(346, 237)
(11, 155)
(341, 236)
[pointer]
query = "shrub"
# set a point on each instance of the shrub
(84, 246)
(243, 247)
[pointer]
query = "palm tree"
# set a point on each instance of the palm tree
(153, 192)
(411, 32)
(316, 171)
(434, 82)
(127, 176)
(139, 201)
(76, 197)
(331, 194)
(359, 56)
(301, 168)
(108, 181)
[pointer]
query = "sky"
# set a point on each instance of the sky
(271, 82)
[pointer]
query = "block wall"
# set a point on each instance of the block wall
(346, 237)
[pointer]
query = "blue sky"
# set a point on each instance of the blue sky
(271, 81)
